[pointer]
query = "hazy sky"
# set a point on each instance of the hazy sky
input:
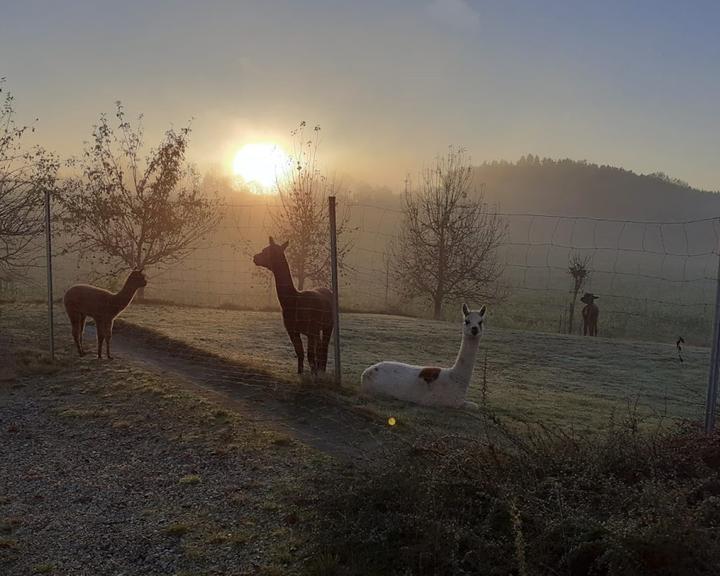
(629, 83)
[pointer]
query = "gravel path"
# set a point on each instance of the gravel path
(322, 418)
(168, 460)
(109, 468)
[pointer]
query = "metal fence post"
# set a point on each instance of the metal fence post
(711, 400)
(48, 257)
(712, 389)
(336, 298)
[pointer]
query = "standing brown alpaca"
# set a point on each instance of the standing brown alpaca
(309, 312)
(102, 306)
(590, 314)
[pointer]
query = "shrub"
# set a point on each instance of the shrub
(618, 504)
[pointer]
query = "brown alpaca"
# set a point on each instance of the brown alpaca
(309, 312)
(590, 314)
(102, 306)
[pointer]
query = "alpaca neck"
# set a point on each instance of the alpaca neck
(284, 283)
(465, 362)
(125, 296)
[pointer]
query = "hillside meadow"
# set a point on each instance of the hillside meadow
(525, 376)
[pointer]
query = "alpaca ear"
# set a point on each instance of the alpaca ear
(465, 309)
(287, 243)
(482, 311)
(272, 241)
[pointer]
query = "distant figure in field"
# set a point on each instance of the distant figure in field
(309, 312)
(430, 386)
(590, 314)
(102, 306)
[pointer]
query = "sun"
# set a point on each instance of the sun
(261, 164)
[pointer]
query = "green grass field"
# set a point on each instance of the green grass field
(552, 378)
(530, 376)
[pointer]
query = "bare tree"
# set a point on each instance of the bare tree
(388, 262)
(303, 217)
(136, 212)
(448, 242)
(24, 177)
(578, 268)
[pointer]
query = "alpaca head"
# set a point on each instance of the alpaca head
(137, 279)
(473, 321)
(589, 298)
(271, 255)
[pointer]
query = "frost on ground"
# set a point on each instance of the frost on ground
(110, 469)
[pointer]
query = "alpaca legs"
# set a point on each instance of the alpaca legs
(323, 348)
(298, 345)
(312, 351)
(108, 337)
(100, 328)
(82, 333)
(104, 334)
(78, 324)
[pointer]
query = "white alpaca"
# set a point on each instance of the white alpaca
(427, 385)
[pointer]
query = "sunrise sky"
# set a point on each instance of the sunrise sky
(633, 84)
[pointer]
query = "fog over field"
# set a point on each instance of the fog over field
(655, 273)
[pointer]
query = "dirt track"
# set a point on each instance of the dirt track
(327, 422)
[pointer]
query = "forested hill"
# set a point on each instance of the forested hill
(571, 188)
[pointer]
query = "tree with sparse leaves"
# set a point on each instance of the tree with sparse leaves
(135, 211)
(579, 271)
(303, 218)
(25, 175)
(447, 247)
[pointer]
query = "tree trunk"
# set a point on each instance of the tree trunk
(140, 294)
(301, 273)
(437, 312)
(387, 284)
(572, 313)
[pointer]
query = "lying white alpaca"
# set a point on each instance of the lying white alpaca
(430, 386)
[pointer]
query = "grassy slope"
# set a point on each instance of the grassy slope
(552, 378)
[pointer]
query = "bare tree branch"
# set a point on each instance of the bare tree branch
(579, 270)
(132, 211)
(303, 215)
(448, 242)
(24, 177)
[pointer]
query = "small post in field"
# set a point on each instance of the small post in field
(712, 389)
(334, 271)
(48, 257)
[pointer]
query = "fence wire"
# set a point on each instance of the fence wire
(656, 284)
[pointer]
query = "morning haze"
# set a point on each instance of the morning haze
(391, 83)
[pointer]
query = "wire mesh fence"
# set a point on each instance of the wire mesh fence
(656, 284)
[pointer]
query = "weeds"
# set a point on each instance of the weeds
(542, 502)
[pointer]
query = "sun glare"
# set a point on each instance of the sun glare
(261, 164)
